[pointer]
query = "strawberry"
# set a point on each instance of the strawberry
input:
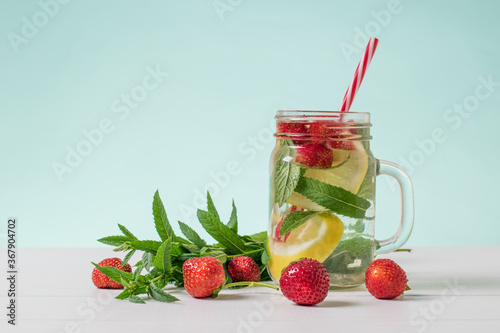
(326, 128)
(385, 279)
(326, 131)
(277, 237)
(243, 269)
(291, 128)
(102, 281)
(305, 282)
(295, 129)
(202, 276)
(341, 144)
(314, 155)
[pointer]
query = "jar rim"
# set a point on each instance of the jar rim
(311, 115)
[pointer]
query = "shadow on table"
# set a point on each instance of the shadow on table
(336, 304)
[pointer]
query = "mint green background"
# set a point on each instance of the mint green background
(226, 80)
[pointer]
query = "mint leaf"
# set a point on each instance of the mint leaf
(192, 235)
(147, 260)
(191, 248)
(124, 294)
(367, 188)
(162, 259)
(233, 220)
(114, 240)
(163, 227)
(127, 292)
(296, 219)
(126, 232)
(333, 198)
(352, 256)
(137, 271)
(211, 207)
(259, 237)
(220, 232)
(159, 295)
(265, 255)
(146, 245)
(220, 255)
(127, 257)
(286, 174)
(114, 273)
(136, 299)
(125, 282)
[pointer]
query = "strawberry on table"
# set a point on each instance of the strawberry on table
(202, 276)
(305, 282)
(102, 281)
(385, 279)
(243, 268)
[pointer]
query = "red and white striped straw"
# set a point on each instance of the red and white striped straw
(359, 74)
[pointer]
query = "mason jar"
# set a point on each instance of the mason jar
(322, 197)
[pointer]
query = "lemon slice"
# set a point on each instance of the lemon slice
(316, 239)
(348, 173)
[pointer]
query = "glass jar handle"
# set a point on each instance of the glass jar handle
(407, 207)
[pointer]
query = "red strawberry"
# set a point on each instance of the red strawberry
(314, 155)
(243, 269)
(294, 128)
(202, 276)
(326, 128)
(341, 144)
(102, 281)
(305, 282)
(277, 237)
(385, 279)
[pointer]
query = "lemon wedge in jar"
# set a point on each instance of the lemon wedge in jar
(317, 239)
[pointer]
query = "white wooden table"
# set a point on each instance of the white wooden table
(453, 290)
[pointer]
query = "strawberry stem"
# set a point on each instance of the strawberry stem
(250, 284)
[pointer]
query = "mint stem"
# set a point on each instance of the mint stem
(249, 252)
(156, 278)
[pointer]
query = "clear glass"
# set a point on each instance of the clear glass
(323, 190)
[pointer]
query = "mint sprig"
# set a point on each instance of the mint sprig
(162, 260)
